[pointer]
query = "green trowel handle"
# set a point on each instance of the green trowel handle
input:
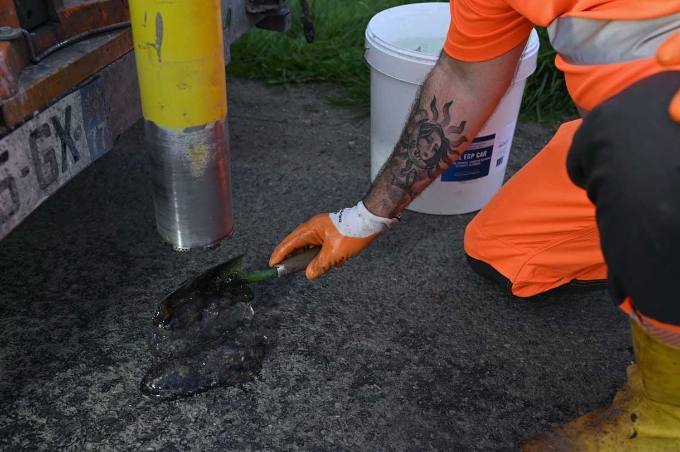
(298, 262)
(294, 264)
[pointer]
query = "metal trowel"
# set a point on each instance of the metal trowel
(225, 283)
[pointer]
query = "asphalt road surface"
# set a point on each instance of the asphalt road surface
(403, 349)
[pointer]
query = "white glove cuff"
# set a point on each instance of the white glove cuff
(364, 212)
(358, 222)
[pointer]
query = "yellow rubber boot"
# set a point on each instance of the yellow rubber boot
(645, 413)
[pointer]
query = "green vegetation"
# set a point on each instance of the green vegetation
(336, 57)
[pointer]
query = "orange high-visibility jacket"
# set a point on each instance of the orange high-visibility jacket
(603, 46)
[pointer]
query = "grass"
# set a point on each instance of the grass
(336, 57)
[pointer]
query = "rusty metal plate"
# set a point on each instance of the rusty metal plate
(48, 80)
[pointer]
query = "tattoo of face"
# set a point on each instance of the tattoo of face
(425, 149)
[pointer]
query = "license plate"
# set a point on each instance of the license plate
(47, 151)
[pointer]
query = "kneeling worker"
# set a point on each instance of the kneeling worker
(599, 206)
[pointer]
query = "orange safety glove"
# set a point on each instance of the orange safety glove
(341, 235)
(668, 54)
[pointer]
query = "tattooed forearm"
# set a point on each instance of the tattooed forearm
(427, 147)
(454, 102)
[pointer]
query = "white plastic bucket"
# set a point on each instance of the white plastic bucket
(402, 46)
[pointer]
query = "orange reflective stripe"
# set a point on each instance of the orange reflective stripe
(665, 332)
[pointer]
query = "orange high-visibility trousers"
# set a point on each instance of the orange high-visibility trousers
(539, 232)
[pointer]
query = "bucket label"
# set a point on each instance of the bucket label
(474, 163)
(486, 155)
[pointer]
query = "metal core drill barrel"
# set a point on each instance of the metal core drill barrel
(179, 49)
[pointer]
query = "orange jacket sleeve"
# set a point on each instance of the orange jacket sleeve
(484, 29)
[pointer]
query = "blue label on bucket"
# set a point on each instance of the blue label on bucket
(474, 163)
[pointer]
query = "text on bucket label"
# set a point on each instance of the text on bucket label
(486, 155)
